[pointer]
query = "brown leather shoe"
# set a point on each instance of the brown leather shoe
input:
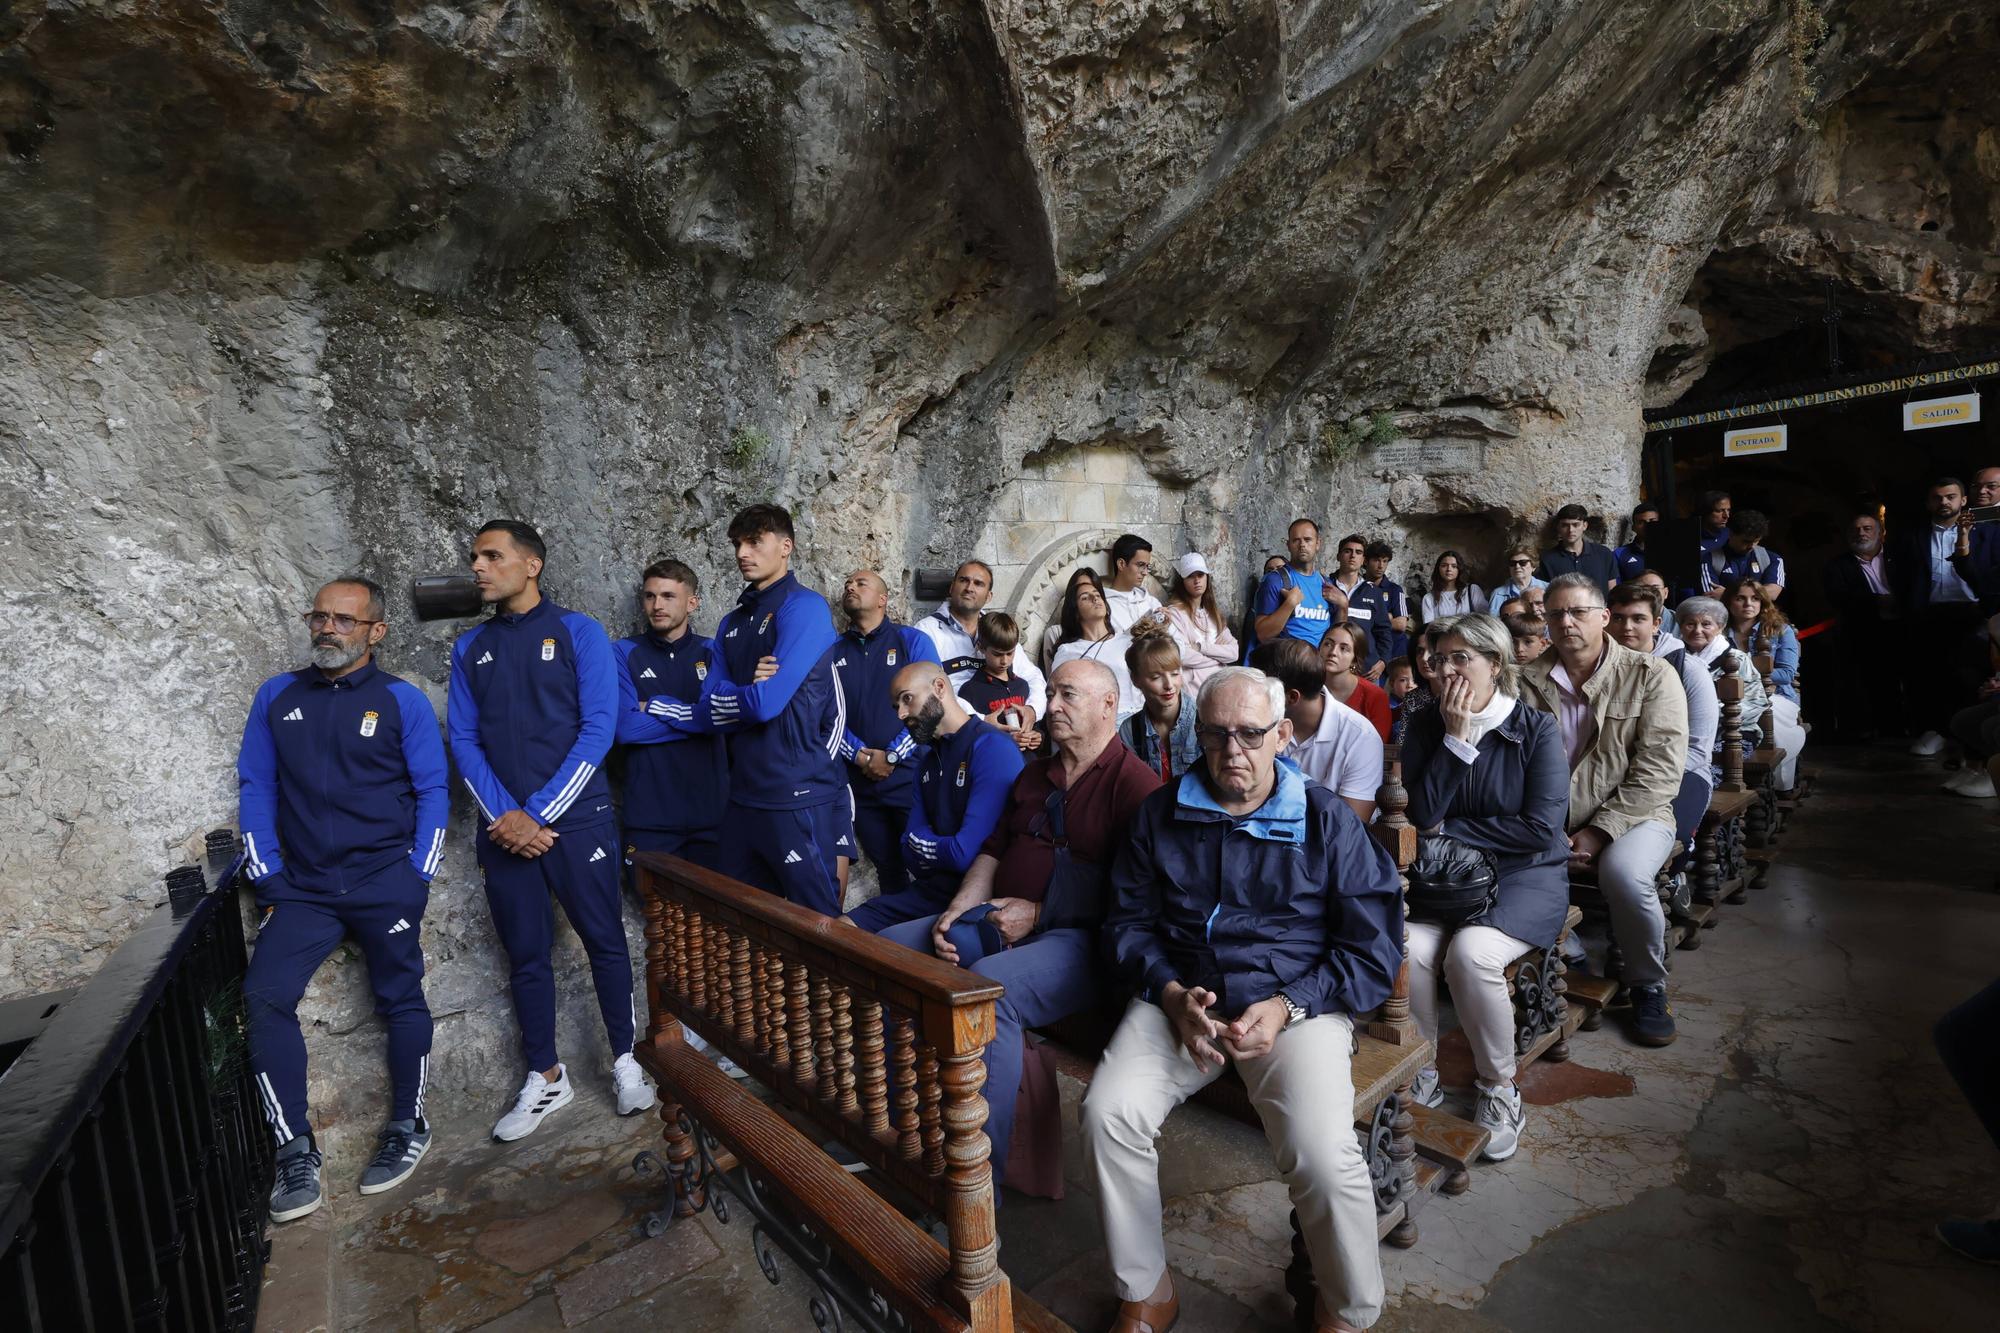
(1149, 1316)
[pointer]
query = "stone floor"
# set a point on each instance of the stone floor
(1777, 1169)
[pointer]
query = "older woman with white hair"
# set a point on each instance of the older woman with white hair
(1489, 788)
(1704, 626)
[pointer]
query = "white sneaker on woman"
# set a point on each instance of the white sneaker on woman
(1501, 1115)
(1424, 1090)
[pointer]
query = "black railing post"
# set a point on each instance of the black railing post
(186, 886)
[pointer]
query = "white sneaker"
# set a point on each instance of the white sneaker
(1978, 784)
(635, 1094)
(1501, 1115)
(730, 1067)
(1425, 1090)
(538, 1098)
(1928, 744)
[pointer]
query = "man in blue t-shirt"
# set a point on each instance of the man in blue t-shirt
(1291, 602)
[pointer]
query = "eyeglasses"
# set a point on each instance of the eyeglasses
(319, 620)
(1218, 738)
(1461, 660)
(1568, 612)
(1520, 562)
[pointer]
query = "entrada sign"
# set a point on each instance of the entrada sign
(1755, 440)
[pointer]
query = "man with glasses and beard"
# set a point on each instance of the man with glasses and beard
(343, 806)
(959, 793)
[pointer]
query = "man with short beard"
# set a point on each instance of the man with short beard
(877, 748)
(1861, 586)
(961, 786)
(676, 782)
(343, 805)
(954, 630)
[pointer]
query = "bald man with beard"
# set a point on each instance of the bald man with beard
(880, 753)
(1028, 912)
(964, 771)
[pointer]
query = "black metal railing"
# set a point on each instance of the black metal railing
(134, 1163)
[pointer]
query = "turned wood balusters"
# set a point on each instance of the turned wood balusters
(880, 1048)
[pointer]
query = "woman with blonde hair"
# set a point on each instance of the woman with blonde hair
(1162, 732)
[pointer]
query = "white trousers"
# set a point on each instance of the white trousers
(1303, 1089)
(1474, 960)
(1790, 737)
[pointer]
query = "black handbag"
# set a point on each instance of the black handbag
(1451, 883)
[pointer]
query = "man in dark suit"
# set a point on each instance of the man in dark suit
(1977, 558)
(1860, 585)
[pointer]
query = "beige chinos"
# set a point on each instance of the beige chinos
(1303, 1089)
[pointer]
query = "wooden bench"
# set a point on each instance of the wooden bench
(864, 1042)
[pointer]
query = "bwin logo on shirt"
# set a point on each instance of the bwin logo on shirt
(597, 855)
(647, 674)
(296, 715)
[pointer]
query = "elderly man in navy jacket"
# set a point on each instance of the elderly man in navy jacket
(1254, 917)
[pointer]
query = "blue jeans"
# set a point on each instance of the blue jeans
(1047, 976)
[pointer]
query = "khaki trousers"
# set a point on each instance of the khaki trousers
(1475, 962)
(1304, 1091)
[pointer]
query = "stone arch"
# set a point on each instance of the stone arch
(1037, 596)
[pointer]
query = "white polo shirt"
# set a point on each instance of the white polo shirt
(1344, 754)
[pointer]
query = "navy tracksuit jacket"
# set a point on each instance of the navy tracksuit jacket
(342, 803)
(962, 784)
(788, 816)
(532, 712)
(676, 782)
(867, 664)
(1367, 608)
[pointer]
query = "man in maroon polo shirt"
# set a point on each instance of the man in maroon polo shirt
(1039, 888)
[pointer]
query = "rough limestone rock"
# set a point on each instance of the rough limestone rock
(288, 290)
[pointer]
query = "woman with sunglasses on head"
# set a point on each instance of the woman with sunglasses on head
(1489, 783)
(1520, 579)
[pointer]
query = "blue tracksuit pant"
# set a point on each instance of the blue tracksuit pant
(581, 872)
(1047, 976)
(696, 845)
(299, 929)
(921, 899)
(879, 828)
(789, 852)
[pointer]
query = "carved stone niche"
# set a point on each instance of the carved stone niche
(1036, 601)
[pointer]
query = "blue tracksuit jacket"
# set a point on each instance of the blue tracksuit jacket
(532, 711)
(867, 663)
(675, 781)
(785, 732)
(1296, 897)
(340, 779)
(962, 787)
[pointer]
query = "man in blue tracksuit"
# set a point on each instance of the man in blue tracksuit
(532, 711)
(877, 748)
(963, 777)
(676, 781)
(343, 805)
(788, 823)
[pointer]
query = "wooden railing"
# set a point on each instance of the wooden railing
(871, 1044)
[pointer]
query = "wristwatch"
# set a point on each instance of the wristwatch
(1294, 1015)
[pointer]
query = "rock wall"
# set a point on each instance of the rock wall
(286, 291)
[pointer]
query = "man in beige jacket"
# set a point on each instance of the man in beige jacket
(1623, 717)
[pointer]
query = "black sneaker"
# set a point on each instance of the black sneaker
(296, 1190)
(1652, 1016)
(399, 1147)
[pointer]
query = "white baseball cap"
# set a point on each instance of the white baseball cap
(1191, 564)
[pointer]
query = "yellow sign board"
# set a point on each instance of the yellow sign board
(1931, 413)
(1755, 440)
